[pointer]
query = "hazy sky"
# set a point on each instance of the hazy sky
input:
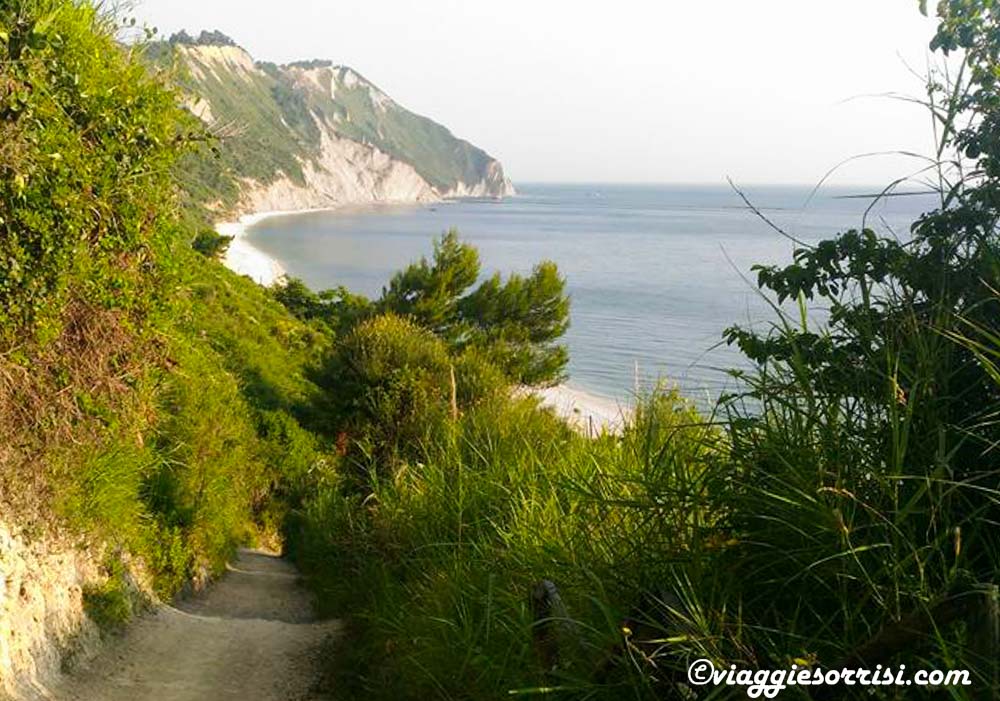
(623, 90)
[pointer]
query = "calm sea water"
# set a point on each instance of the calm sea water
(656, 273)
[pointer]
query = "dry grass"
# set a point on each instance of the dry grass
(57, 399)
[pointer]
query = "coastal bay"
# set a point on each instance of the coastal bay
(650, 308)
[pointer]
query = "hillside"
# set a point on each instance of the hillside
(146, 393)
(313, 134)
(159, 414)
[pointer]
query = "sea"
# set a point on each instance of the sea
(655, 273)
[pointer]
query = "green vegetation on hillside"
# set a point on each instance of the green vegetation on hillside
(86, 137)
(143, 389)
(430, 148)
(268, 131)
(842, 511)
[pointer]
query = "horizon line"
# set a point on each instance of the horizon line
(699, 183)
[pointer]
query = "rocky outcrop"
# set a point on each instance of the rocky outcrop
(42, 619)
(493, 184)
(46, 577)
(345, 172)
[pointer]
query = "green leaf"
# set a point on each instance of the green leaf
(43, 24)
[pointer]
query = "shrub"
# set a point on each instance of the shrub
(108, 604)
(393, 383)
(478, 379)
(211, 244)
(212, 476)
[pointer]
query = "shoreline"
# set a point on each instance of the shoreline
(587, 412)
(243, 258)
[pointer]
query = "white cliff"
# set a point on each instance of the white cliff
(345, 172)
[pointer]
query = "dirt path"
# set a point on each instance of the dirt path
(251, 637)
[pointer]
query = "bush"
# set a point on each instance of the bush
(396, 386)
(211, 244)
(478, 379)
(393, 383)
(108, 604)
(212, 477)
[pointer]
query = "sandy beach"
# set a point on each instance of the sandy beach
(245, 259)
(587, 412)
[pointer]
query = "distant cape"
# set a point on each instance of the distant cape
(312, 134)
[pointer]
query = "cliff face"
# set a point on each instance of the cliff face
(312, 134)
(42, 619)
(343, 171)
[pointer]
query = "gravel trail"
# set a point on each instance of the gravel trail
(251, 636)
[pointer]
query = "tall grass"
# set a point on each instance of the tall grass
(795, 528)
(450, 548)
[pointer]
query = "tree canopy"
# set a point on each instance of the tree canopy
(516, 323)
